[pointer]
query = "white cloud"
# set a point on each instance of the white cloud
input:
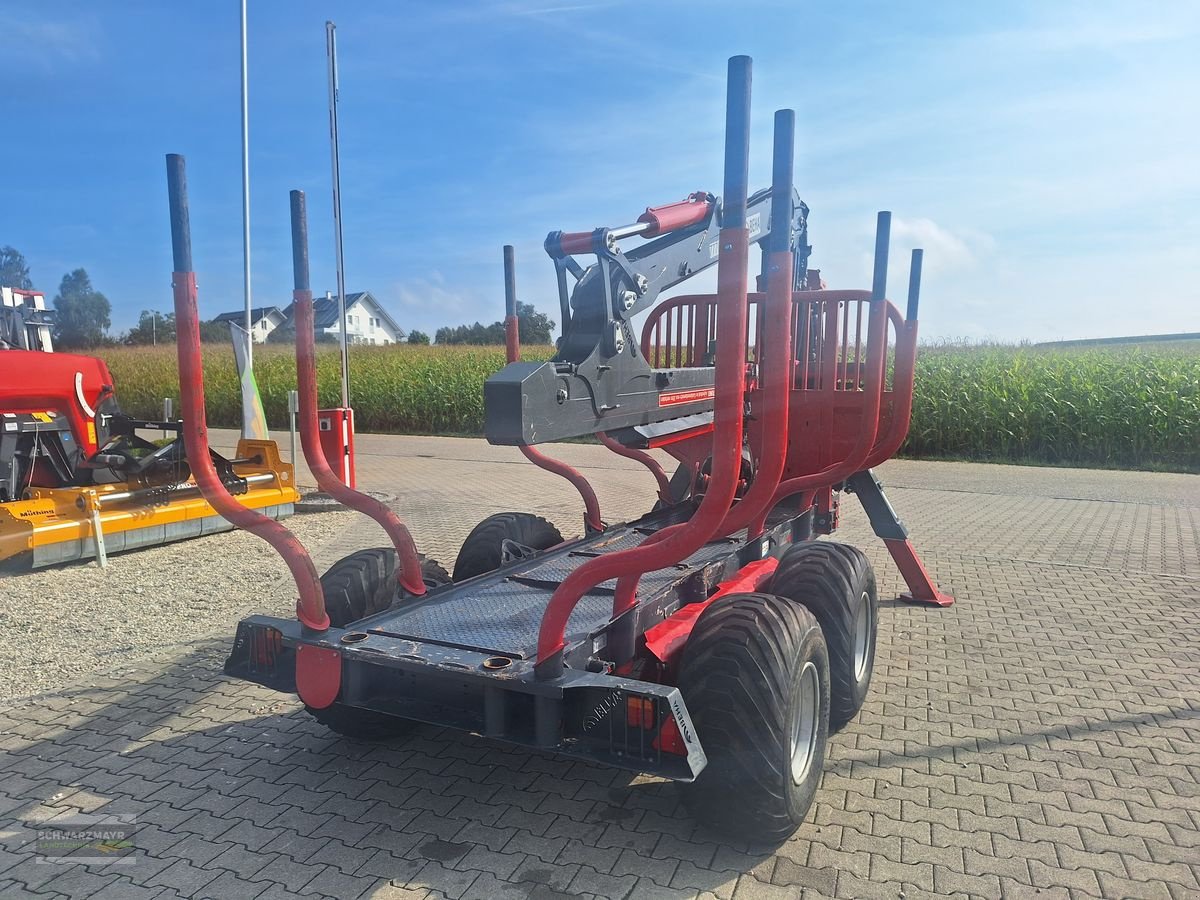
(944, 250)
(430, 293)
(45, 43)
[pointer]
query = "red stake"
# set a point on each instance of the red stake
(310, 607)
(408, 575)
(664, 483)
(512, 351)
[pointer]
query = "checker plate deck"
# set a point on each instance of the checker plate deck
(501, 613)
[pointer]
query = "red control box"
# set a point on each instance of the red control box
(336, 427)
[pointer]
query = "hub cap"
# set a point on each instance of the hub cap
(862, 637)
(804, 724)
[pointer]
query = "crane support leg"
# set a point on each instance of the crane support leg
(888, 526)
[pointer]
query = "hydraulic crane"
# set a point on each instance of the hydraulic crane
(599, 380)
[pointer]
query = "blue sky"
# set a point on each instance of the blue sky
(1044, 154)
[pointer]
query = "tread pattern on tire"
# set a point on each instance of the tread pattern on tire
(482, 551)
(363, 583)
(827, 577)
(736, 677)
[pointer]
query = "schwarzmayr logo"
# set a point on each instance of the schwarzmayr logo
(86, 839)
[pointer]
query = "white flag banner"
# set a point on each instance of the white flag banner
(254, 420)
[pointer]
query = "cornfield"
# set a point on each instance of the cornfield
(1135, 407)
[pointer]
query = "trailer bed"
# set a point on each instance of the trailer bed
(500, 613)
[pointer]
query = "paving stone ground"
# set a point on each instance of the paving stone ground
(1037, 739)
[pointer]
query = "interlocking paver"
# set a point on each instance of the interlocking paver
(241, 861)
(631, 863)
(292, 845)
(1112, 886)
(444, 828)
(127, 889)
(487, 836)
(602, 859)
(750, 888)
(333, 883)
(231, 886)
(391, 867)
(183, 877)
(479, 859)
(590, 881)
(199, 851)
(1036, 738)
(451, 882)
(546, 849)
(289, 873)
(488, 887)
(551, 875)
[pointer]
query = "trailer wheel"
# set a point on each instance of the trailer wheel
(755, 678)
(836, 582)
(484, 548)
(364, 583)
(360, 724)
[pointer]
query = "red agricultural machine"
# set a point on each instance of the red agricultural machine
(714, 640)
(78, 480)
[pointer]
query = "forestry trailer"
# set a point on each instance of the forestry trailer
(715, 640)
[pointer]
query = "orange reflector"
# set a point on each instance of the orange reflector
(669, 740)
(639, 713)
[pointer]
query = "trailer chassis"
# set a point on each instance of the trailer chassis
(599, 711)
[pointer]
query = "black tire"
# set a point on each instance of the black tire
(364, 583)
(360, 585)
(483, 550)
(678, 489)
(681, 483)
(361, 724)
(741, 677)
(837, 584)
(681, 486)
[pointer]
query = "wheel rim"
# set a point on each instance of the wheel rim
(862, 637)
(804, 723)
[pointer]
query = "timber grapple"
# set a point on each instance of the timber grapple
(717, 639)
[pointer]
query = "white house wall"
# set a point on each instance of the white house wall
(359, 328)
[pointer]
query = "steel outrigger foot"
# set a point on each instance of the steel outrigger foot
(887, 525)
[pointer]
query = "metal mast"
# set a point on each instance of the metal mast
(331, 52)
(246, 193)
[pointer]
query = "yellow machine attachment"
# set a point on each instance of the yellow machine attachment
(48, 526)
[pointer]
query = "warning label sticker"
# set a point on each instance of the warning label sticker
(674, 398)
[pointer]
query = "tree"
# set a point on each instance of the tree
(533, 326)
(471, 334)
(14, 271)
(83, 313)
(418, 337)
(212, 331)
(153, 327)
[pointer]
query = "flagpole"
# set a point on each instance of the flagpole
(246, 191)
(331, 50)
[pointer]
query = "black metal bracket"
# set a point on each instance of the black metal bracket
(884, 521)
